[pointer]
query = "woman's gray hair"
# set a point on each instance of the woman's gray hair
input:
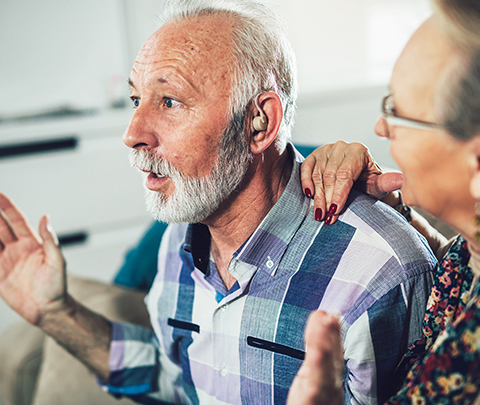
(264, 57)
(460, 109)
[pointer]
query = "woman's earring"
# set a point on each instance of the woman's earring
(476, 222)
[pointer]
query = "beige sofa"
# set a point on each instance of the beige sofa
(36, 370)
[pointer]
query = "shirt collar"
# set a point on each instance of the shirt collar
(197, 242)
(268, 243)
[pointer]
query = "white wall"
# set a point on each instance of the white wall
(348, 43)
(61, 52)
(345, 52)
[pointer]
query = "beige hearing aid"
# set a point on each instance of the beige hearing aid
(259, 123)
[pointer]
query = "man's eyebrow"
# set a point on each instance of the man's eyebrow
(160, 80)
(165, 80)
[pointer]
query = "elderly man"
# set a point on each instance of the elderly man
(245, 261)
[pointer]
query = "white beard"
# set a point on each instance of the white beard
(194, 199)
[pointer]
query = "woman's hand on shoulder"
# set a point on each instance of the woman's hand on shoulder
(330, 172)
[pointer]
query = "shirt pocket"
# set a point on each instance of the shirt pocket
(275, 347)
(183, 326)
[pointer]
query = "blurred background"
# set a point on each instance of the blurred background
(64, 105)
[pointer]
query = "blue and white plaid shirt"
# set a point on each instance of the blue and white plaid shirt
(245, 345)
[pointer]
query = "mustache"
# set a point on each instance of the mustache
(147, 160)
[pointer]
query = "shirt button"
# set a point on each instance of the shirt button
(224, 307)
(270, 263)
(223, 371)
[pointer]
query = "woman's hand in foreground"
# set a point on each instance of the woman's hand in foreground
(329, 173)
(32, 274)
(319, 379)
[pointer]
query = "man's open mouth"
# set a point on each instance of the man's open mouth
(158, 175)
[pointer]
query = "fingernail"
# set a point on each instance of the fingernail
(308, 193)
(328, 219)
(318, 214)
(333, 209)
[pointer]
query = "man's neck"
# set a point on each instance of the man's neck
(264, 184)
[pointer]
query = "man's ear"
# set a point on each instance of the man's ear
(475, 167)
(272, 110)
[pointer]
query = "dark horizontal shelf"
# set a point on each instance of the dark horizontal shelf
(52, 145)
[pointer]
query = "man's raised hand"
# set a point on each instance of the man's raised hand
(32, 268)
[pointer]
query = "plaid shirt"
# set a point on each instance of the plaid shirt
(245, 345)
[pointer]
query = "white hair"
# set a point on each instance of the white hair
(264, 57)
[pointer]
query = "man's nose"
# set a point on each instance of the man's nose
(140, 133)
(381, 127)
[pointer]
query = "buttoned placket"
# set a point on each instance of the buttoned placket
(230, 309)
(227, 314)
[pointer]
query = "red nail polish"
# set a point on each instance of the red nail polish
(333, 209)
(318, 214)
(328, 219)
(308, 193)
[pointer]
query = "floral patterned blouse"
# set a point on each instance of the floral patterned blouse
(443, 367)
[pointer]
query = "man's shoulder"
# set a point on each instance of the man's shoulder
(386, 227)
(368, 215)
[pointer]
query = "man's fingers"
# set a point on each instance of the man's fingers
(15, 220)
(46, 231)
(6, 233)
(50, 241)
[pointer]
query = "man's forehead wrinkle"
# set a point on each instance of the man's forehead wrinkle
(197, 52)
(172, 71)
(201, 45)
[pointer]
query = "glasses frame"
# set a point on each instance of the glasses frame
(394, 120)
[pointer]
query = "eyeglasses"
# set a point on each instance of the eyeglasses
(388, 110)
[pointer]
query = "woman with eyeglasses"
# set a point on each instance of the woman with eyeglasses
(431, 117)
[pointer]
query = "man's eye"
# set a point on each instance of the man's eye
(170, 102)
(136, 101)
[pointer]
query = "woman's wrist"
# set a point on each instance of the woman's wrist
(394, 200)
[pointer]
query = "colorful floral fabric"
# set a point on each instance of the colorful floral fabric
(443, 367)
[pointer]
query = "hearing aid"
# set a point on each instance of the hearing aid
(259, 123)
